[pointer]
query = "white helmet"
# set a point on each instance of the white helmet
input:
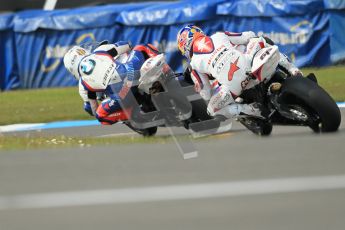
(72, 59)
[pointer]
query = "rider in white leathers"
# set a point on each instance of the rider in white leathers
(220, 64)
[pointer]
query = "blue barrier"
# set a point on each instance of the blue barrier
(33, 42)
(337, 41)
(8, 70)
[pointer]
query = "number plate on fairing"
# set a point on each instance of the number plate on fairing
(265, 62)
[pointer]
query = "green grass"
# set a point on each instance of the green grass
(41, 142)
(45, 105)
(42, 105)
(34, 141)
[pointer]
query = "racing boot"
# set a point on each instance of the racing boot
(236, 110)
(252, 110)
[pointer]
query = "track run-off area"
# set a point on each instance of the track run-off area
(293, 179)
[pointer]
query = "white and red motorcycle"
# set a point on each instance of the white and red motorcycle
(297, 101)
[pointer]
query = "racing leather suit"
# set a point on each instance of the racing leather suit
(225, 58)
(101, 72)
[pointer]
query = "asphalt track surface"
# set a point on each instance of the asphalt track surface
(294, 179)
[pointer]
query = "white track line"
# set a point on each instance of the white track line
(172, 192)
(341, 104)
(19, 127)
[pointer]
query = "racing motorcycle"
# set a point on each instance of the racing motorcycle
(165, 98)
(282, 98)
(156, 78)
(297, 100)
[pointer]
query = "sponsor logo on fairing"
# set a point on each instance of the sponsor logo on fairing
(262, 57)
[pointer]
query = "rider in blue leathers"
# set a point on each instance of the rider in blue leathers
(100, 71)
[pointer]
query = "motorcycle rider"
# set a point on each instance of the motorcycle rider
(224, 58)
(99, 71)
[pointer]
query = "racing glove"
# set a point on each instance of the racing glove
(87, 108)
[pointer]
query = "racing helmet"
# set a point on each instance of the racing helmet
(186, 37)
(72, 59)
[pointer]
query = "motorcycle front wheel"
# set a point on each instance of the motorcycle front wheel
(323, 113)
